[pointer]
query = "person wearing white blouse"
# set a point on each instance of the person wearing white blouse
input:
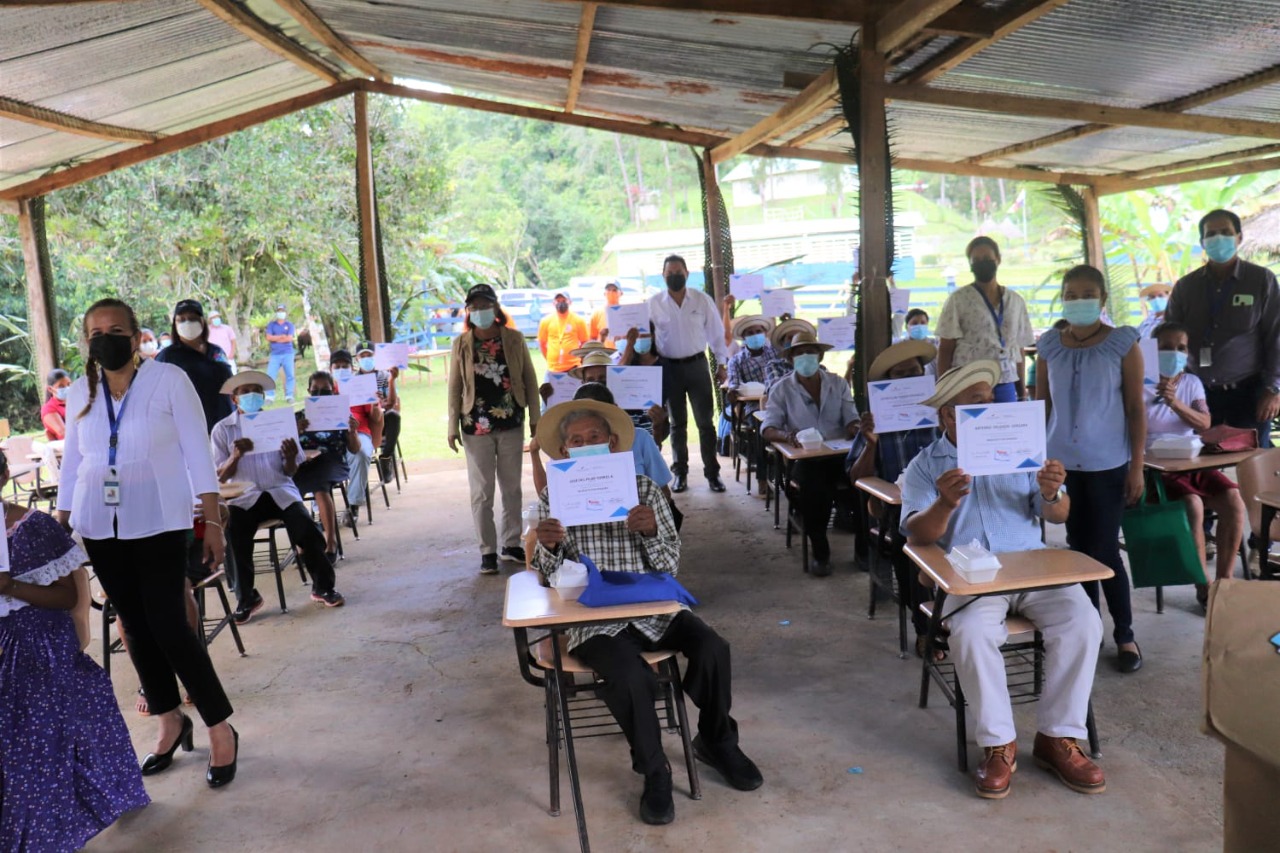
(134, 426)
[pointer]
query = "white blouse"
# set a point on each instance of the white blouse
(163, 457)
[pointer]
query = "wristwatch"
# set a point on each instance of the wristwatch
(1057, 496)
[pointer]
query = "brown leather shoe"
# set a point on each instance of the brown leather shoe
(1063, 757)
(998, 764)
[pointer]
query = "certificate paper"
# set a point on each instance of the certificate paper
(636, 387)
(327, 413)
(361, 389)
(895, 404)
(899, 300)
(621, 319)
(592, 489)
(775, 303)
(387, 356)
(268, 430)
(563, 387)
(1002, 438)
(1150, 349)
(840, 332)
(746, 285)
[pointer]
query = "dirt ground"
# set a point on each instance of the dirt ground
(400, 722)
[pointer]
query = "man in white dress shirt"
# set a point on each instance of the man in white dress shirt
(685, 323)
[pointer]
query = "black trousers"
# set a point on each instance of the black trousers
(631, 687)
(1093, 528)
(818, 479)
(390, 431)
(691, 380)
(302, 531)
(1238, 407)
(144, 580)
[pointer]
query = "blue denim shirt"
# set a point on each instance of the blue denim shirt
(1001, 511)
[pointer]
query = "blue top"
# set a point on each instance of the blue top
(1088, 430)
(281, 327)
(1002, 511)
(649, 461)
(894, 451)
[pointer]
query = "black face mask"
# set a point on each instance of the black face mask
(676, 281)
(324, 393)
(111, 351)
(562, 307)
(984, 270)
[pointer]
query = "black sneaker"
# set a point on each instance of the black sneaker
(245, 611)
(656, 807)
(488, 564)
(514, 554)
(738, 770)
(332, 598)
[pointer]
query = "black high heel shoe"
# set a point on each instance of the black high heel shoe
(156, 762)
(219, 776)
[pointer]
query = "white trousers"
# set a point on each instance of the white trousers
(1072, 631)
(495, 459)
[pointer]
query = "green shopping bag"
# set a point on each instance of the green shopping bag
(1162, 551)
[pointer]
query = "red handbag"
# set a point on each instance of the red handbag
(1229, 439)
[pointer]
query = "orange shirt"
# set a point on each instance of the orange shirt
(558, 336)
(597, 324)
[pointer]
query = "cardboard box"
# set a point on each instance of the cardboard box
(1241, 698)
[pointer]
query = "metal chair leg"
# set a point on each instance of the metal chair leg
(962, 734)
(553, 744)
(274, 551)
(1095, 749)
(695, 786)
(231, 623)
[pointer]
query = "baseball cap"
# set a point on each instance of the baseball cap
(340, 355)
(363, 347)
(481, 291)
(613, 285)
(189, 306)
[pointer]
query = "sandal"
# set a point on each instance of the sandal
(141, 706)
(938, 654)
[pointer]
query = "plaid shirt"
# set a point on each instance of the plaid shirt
(778, 368)
(746, 366)
(612, 548)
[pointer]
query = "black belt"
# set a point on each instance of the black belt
(1250, 382)
(693, 357)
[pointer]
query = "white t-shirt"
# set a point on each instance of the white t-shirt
(1164, 422)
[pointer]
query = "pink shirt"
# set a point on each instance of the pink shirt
(225, 337)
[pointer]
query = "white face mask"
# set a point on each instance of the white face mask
(189, 330)
(280, 315)
(149, 347)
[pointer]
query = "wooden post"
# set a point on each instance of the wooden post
(1095, 256)
(41, 307)
(873, 154)
(368, 226)
(714, 204)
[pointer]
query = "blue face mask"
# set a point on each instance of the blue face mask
(806, 364)
(366, 364)
(251, 402)
(1158, 303)
(756, 341)
(1220, 247)
(589, 450)
(61, 393)
(342, 374)
(643, 345)
(918, 332)
(1082, 312)
(1172, 362)
(482, 318)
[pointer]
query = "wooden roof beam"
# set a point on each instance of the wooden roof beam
(1009, 20)
(938, 167)
(323, 33)
(818, 133)
(586, 24)
(253, 27)
(1074, 111)
(176, 142)
(905, 20)
(1203, 162)
(817, 96)
(1113, 184)
(67, 123)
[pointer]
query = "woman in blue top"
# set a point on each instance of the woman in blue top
(1090, 377)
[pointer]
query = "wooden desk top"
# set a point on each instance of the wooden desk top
(1271, 499)
(881, 489)
(529, 604)
(758, 415)
(795, 454)
(233, 490)
(1203, 462)
(1020, 571)
(750, 398)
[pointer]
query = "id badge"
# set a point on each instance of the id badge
(111, 488)
(1206, 356)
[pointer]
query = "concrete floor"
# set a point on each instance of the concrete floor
(400, 722)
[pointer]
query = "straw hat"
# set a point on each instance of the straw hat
(785, 330)
(248, 377)
(593, 358)
(741, 324)
(549, 424)
(899, 353)
(1152, 289)
(590, 347)
(806, 339)
(957, 379)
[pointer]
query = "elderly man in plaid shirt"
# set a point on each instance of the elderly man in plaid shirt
(645, 542)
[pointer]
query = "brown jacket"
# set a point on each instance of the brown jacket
(462, 376)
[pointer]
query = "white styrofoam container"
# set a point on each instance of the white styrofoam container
(1176, 447)
(569, 593)
(974, 564)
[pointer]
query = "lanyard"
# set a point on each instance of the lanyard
(998, 319)
(113, 419)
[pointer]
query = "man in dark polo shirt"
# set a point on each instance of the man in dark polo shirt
(1231, 309)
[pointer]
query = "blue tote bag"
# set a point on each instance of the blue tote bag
(605, 589)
